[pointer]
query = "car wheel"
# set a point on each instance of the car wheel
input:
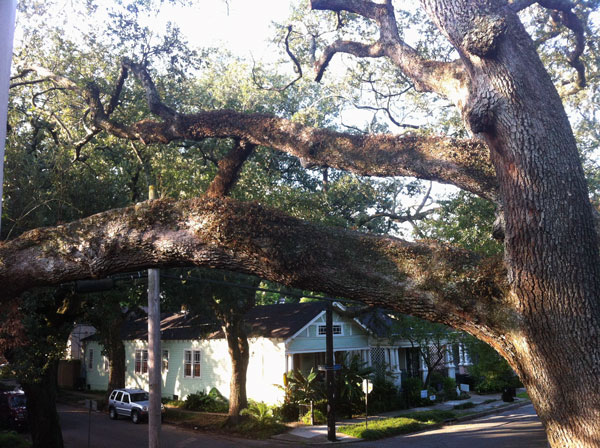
(112, 413)
(135, 417)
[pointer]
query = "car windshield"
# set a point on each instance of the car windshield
(17, 401)
(142, 396)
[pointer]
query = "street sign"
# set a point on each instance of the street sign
(367, 386)
(324, 368)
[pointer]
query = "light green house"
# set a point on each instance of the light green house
(282, 337)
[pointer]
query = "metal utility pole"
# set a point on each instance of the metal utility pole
(7, 31)
(154, 353)
(330, 373)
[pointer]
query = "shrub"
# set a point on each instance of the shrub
(449, 385)
(10, 439)
(211, 402)
(436, 380)
(320, 418)
(385, 396)
(287, 412)
(259, 411)
(492, 373)
(412, 391)
(348, 382)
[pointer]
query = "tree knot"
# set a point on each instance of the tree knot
(479, 112)
(483, 35)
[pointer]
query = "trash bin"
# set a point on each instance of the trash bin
(508, 394)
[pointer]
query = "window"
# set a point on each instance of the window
(337, 329)
(191, 360)
(165, 360)
(91, 359)
(119, 396)
(106, 363)
(141, 361)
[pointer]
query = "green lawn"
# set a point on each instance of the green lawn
(414, 421)
(11, 439)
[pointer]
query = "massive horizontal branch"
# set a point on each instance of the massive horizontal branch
(461, 162)
(425, 279)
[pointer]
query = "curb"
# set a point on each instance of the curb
(490, 412)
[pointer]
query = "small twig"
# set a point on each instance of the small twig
(297, 67)
(26, 83)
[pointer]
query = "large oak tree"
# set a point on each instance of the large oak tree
(539, 306)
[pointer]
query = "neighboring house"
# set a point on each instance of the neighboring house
(74, 343)
(281, 338)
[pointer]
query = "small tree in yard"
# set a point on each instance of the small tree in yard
(432, 341)
(33, 347)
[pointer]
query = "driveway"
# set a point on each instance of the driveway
(516, 428)
(123, 433)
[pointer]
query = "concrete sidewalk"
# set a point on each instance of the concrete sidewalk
(484, 405)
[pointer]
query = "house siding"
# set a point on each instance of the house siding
(96, 377)
(352, 337)
(215, 368)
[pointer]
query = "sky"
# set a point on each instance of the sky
(242, 26)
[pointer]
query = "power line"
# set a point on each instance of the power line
(140, 275)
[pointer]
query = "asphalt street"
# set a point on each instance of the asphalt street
(122, 433)
(516, 428)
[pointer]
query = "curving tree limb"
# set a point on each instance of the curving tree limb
(461, 162)
(427, 279)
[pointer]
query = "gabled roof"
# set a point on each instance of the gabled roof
(281, 321)
(270, 321)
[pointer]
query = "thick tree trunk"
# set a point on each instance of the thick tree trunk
(551, 250)
(237, 343)
(545, 319)
(116, 356)
(43, 418)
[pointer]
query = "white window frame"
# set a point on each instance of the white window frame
(193, 359)
(141, 361)
(105, 363)
(334, 327)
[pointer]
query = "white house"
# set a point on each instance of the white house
(281, 338)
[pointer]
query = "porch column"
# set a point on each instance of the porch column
(396, 359)
(450, 363)
(467, 357)
(424, 368)
(461, 355)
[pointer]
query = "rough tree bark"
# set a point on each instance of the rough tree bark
(239, 352)
(540, 307)
(230, 306)
(41, 406)
(116, 373)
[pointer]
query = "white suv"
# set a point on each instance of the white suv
(129, 403)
